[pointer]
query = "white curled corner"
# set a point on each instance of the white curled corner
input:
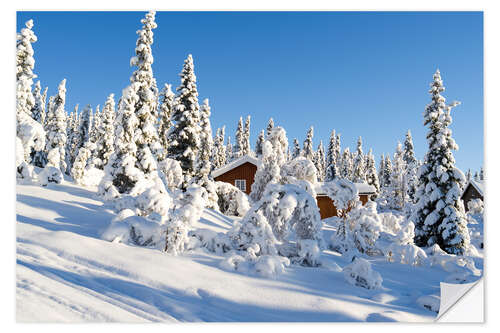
(451, 293)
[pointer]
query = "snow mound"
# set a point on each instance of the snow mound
(360, 273)
(429, 302)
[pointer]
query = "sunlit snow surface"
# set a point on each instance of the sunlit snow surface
(66, 273)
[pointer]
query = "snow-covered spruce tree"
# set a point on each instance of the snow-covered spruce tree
(411, 163)
(146, 138)
(371, 172)
(381, 168)
(120, 173)
(307, 150)
(247, 150)
(481, 174)
(105, 145)
(166, 110)
(338, 152)
(476, 176)
(296, 148)
(259, 143)
(87, 146)
(386, 190)
(184, 136)
(468, 175)
(439, 213)
(72, 145)
(273, 157)
(39, 158)
(219, 150)
(319, 161)
(284, 211)
(69, 137)
(56, 128)
(28, 130)
(346, 167)
(398, 195)
(270, 126)
(38, 110)
(203, 167)
(240, 138)
(229, 149)
(359, 164)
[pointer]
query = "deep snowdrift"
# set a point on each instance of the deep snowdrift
(66, 273)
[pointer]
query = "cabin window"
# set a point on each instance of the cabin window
(241, 184)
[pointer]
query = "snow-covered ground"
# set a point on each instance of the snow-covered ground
(66, 273)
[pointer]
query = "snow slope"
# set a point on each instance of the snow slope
(66, 273)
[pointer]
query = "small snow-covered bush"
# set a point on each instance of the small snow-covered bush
(217, 242)
(187, 210)
(461, 268)
(391, 222)
(268, 266)
(50, 174)
(153, 201)
(286, 220)
(299, 168)
(253, 232)
(171, 173)
(231, 200)
(301, 172)
(92, 177)
(360, 230)
(402, 250)
(360, 273)
(475, 206)
(129, 228)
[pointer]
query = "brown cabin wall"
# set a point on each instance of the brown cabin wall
(245, 171)
(470, 194)
(327, 208)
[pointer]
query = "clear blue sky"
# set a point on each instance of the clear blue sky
(362, 73)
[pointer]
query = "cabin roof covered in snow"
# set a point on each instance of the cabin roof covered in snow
(478, 185)
(234, 164)
(363, 188)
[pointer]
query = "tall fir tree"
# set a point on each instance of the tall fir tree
(270, 126)
(28, 130)
(296, 148)
(147, 140)
(247, 150)
(439, 213)
(346, 167)
(307, 150)
(240, 138)
(259, 143)
(219, 151)
(56, 135)
(38, 110)
(184, 136)
(359, 172)
(204, 166)
(371, 172)
(229, 150)
(398, 195)
(121, 174)
(166, 111)
(319, 161)
(468, 175)
(105, 145)
(381, 169)
(411, 167)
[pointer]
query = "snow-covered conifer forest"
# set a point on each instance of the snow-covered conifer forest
(120, 217)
